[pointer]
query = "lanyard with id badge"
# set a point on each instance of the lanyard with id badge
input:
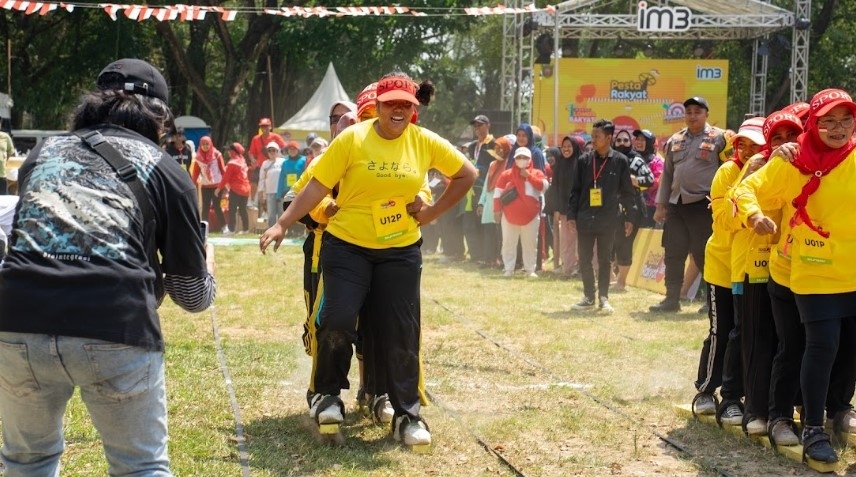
(596, 193)
(390, 218)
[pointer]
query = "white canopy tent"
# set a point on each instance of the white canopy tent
(314, 115)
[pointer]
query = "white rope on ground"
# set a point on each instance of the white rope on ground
(233, 400)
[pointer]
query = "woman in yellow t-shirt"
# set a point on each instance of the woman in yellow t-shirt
(817, 186)
(371, 245)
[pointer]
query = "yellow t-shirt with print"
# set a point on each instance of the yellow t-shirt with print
(377, 177)
(818, 265)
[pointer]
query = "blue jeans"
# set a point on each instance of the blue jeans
(274, 208)
(122, 387)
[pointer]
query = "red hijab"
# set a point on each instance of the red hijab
(815, 158)
(210, 156)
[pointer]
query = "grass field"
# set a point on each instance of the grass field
(521, 385)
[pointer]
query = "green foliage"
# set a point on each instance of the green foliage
(225, 72)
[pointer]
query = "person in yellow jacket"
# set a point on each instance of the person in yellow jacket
(720, 359)
(750, 258)
(771, 311)
(812, 190)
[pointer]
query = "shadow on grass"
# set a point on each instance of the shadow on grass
(687, 443)
(684, 315)
(291, 445)
(573, 314)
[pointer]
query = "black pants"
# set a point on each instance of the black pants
(491, 244)
(471, 226)
(624, 245)
(585, 247)
(759, 343)
(686, 230)
(209, 199)
(785, 376)
(311, 268)
(452, 235)
(785, 371)
(387, 282)
(829, 361)
(238, 205)
(720, 360)
(4, 186)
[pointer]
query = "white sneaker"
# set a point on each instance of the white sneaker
(532, 275)
(757, 427)
(508, 274)
(705, 404)
(415, 433)
(382, 410)
(226, 230)
(844, 421)
(332, 414)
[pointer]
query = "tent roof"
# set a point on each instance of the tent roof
(315, 114)
(190, 122)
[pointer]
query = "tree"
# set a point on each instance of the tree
(215, 90)
(56, 57)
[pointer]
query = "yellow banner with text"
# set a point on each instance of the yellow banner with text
(632, 93)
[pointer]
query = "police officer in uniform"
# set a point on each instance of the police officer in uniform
(692, 156)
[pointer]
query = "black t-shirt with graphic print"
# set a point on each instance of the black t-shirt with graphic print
(77, 264)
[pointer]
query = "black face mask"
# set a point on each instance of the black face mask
(623, 149)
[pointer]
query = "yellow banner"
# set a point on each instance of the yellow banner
(632, 93)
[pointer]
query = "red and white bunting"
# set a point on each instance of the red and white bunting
(502, 10)
(42, 8)
(182, 12)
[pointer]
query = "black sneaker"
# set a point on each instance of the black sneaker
(666, 306)
(585, 304)
(816, 445)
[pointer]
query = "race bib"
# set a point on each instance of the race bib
(595, 197)
(390, 218)
(758, 268)
(815, 250)
(290, 179)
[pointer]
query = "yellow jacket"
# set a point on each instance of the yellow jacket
(818, 265)
(750, 253)
(717, 252)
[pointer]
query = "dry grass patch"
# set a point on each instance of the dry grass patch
(555, 392)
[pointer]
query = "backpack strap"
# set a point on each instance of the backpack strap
(124, 169)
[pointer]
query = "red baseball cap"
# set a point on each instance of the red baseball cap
(264, 122)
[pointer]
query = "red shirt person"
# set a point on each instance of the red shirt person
(257, 152)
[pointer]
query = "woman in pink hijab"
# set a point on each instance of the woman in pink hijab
(207, 170)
